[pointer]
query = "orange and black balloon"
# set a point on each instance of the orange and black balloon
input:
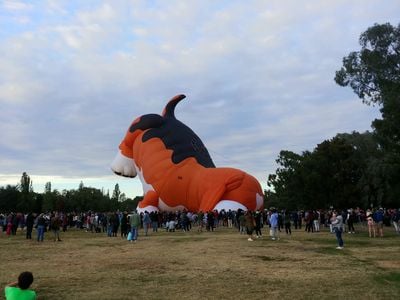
(176, 169)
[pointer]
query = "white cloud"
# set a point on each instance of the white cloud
(16, 5)
(103, 13)
(258, 76)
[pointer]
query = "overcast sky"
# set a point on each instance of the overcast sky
(258, 76)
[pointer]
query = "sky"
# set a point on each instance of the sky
(258, 76)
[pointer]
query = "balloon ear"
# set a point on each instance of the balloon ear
(146, 122)
(169, 110)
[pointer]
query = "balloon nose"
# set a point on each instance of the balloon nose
(123, 166)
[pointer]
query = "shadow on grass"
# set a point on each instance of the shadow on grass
(330, 250)
(274, 258)
(185, 240)
(350, 241)
(392, 277)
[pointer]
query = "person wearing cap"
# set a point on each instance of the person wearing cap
(19, 290)
(337, 226)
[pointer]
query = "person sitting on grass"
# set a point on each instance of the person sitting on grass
(19, 290)
(171, 226)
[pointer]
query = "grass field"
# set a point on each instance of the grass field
(207, 265)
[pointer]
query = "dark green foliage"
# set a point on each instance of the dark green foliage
(353, 169)
(24, 199)
(328, 176)
(373, 72)
(374, 75)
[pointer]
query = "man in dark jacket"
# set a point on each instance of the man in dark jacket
(55, 224)
(30, 218)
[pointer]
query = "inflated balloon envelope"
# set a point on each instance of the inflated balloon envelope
(176, 169)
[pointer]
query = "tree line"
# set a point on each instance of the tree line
(22, 198)
(352, 169)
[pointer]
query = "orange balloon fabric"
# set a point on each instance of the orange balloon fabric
(177, 171)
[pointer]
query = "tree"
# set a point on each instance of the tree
(368, 158)
(9, 196)
(286, 183)
(50, 200)
(25, 203)
(47, 187)
(328, 176)
(25, 186)
(374, 75)
(374, 72)
(338, 173)
(116, 193)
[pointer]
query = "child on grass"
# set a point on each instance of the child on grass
(19, 290)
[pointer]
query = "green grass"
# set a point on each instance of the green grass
(207, 265)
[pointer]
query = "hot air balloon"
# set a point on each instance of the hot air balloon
(176, 169)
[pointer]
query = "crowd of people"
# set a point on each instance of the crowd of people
(246, 222)
(250, 223)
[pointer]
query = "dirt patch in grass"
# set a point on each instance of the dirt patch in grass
(388, 264)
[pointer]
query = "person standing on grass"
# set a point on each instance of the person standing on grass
(274, 223)
(109, 221)
(210, 221)
(200, 221)
(250, 223)
(379, 215)
(350, 220)
(2, 217)
(55, 224)
(258, 219)
(337, 226)
(19, 290)
(134, 221)
(371, 224)
(154, 220)
(317, 220)
(230, 218)
(124, 225)
(242, 222)
(41, 223)
(30, 219)
(146, 222)
(287, 222)
(9, 224)
(115, 224)
(14, 222)
(396, 220)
